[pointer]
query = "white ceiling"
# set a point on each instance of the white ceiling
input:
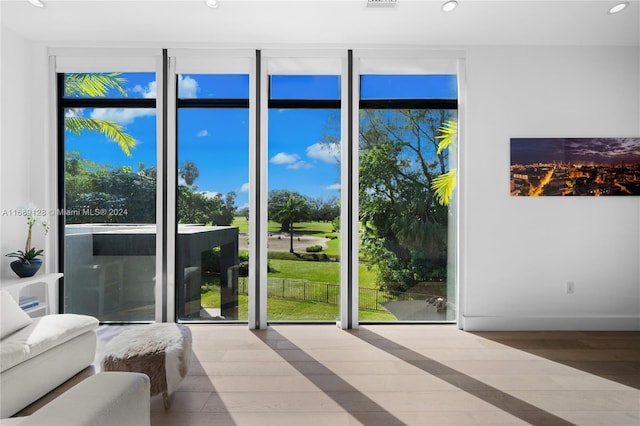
(327, 23)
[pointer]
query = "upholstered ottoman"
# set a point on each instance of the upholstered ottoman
(161, 351)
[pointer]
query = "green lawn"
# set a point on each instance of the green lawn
(242, 223)
(333, 247)
(292, 310)
(326, 272)
(312, 228)
(298, 266)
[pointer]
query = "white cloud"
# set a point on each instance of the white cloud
(327, 152)
(210, 194)
(284, 158)
(122, 115)
(181, 181)
(187, 87)
(148, 92)
(74, 112)
(333, 187)
(299, 165)
(202, 133)
(244, 187)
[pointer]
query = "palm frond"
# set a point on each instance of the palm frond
(448, 135)
(93, 84)
(110, 129)
(443, 185)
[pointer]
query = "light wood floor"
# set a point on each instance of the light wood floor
(405, 375)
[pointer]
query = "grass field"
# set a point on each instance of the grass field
(242, 223)
(302, 266)
(325, 272)
(321, 229)
(292, 310)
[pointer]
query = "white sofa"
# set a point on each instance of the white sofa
(37, 355)
(106, 399)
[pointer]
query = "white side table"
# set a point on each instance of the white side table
(43, 286)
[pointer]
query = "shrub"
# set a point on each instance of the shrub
(314, 249)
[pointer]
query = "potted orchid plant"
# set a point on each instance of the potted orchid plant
(28, 263)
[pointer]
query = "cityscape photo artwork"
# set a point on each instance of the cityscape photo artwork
(575, 166)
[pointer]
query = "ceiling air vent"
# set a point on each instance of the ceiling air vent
(381, 3)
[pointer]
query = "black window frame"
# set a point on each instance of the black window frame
(63, 103)
(406, 104)
(200, 103)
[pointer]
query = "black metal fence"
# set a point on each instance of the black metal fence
(368, 298)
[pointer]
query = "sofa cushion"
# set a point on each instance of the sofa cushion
(105, 399)
(42, 334)
(13, 317)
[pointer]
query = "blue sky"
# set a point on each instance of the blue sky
(217, 139)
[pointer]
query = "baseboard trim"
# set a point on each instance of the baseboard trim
(495, 323)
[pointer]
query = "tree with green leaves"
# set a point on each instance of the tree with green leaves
(195, 207)
(404, 225)
(189, 172)
(324, 210)
(291, 211)
(96, 85)
(277, 199)
(225, 214)
(92, 187)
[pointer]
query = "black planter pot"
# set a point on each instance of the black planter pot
(24, 269)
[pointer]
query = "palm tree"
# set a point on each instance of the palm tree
(96, 85)
(189, 172)
(293, 210)
(444, 184)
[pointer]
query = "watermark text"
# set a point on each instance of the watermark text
(83, 211)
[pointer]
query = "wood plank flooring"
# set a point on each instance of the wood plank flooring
(403, 375)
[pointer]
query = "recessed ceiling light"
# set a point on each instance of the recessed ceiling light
(449, 5)
(36, 3)
(213, 4)
(618, 7)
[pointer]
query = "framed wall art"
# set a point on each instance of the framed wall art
(575, 166)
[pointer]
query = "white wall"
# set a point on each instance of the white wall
(518, 252)
(15, 142)
(24, 143)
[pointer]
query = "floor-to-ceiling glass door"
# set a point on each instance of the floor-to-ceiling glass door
(212, 238)
(107, 129)
(303, 186)
(303, 230)
(407, 203)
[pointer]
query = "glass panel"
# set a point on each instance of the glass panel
(306, 87)
(407, 232)
(113, 85)
(213, 214)
(408, 87)
(110, 201)
(303, 209)
(213, 86)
